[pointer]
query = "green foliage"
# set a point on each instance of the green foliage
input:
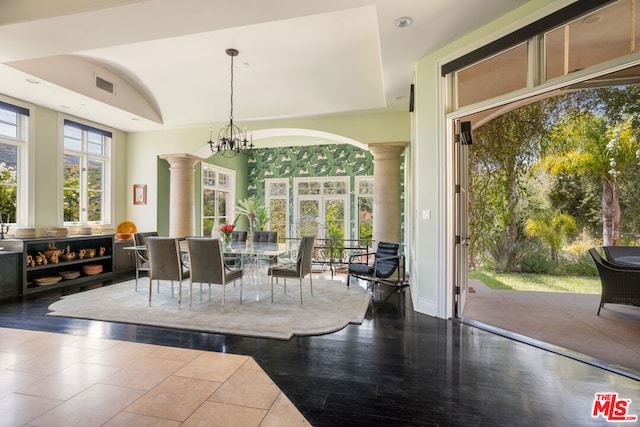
(8, 196)
(552, 229)
(538, 262)
(261, 219)
(249, 208)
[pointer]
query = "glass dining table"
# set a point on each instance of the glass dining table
(255, 257)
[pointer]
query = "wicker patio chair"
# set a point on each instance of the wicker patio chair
(620, 284)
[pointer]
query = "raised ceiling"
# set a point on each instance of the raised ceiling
(167, 60)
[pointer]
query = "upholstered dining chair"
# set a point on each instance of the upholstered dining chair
(206, 261)
(264, 237)
(165, 263)
(239, 236)
(298, 269)
(235, 260)
(142, 259)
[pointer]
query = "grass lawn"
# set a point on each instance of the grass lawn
(538, 282)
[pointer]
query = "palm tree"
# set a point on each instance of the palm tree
(552, 229)
(249, 207)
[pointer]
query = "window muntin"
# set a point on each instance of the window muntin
(364, 204)
(14, 191)
(277, 202)
(86, 163)
(218, 198)
(323, 204)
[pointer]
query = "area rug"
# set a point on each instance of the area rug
(332, 307)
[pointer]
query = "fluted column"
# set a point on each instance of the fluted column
(387, 210)
(181, 194)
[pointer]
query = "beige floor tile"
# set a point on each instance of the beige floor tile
(144, 374)
(93, 343)
(93, 407)
(175, 398)
(213, 366)
(126, 419)
(247, 387)
(122, 354)
(18, 409)
(69, 382)
(55, 359)
(283, 413)
(9, 360)
(10, 381)
(174, 353)
(214, 414)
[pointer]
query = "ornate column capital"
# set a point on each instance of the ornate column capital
(387, 150)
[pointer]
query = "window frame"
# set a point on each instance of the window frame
(218, 170)
(268, 197)
(24, 178)
(108, 164)
(356, 200)
(322, 198)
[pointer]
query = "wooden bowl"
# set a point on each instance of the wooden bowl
(124, 236)
(92, 269)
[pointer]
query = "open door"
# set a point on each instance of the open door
(462, 140)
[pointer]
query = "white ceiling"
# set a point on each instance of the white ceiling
(167, 58)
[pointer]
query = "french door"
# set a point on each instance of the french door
(322, 208)
(461, 255)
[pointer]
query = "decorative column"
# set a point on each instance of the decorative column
(387, 218)
(181, 195)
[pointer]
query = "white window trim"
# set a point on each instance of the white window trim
(268, 198)
(346, 197)
(109, 188)
(25, 197)
(232, 190)
(356, 195)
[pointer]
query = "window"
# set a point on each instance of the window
(86, 163)
(14, 124)
(323, 204)
(277, 200)
(364, 203)
(218, 197)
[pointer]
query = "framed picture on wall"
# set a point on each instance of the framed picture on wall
(140, 194)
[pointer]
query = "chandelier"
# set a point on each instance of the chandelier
(231, 141)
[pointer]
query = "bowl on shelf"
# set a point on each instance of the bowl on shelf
(68, 275)
(124, 236)
(92, 269)
(48, 280)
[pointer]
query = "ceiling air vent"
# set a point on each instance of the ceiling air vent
(104, 85)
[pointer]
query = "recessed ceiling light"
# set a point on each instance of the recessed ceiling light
(404, 21)
(592, 19)
(33, 81)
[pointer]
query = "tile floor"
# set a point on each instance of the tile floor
(51, 379)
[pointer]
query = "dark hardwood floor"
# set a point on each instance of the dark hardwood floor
(398, 368)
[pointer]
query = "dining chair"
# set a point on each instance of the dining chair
(165, 263)
(298, 269)
(206, 261)
(264, 237)
(239, 236)
(235, 260)
(142, 259)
